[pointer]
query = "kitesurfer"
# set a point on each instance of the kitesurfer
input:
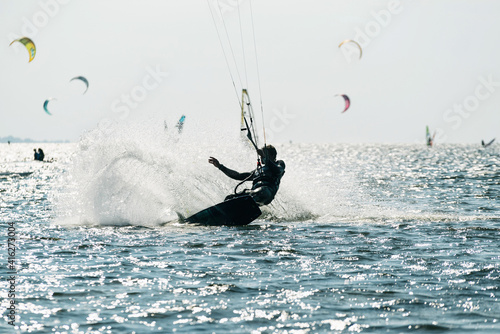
(265, 178)
(41, 155)
(429, 141)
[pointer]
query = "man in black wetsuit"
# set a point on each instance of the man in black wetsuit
(265, 178)
(41, 155)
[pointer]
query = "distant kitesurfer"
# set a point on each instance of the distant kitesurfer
(265, 178)
(429, 138)
(41, 155)
(429, 141)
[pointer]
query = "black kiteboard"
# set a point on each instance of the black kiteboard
(234, 212)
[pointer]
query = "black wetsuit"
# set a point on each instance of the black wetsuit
(41, 155)
(265, 180)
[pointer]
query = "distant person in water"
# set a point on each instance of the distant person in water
(41, 155)
(429, 141)
(265, 178)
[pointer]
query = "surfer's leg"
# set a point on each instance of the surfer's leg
(243, 193)
(262, 195)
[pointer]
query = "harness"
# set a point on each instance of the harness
(262, 176)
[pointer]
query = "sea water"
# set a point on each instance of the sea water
(360, 239)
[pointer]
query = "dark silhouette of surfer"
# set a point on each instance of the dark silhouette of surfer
(265, 178)
(39, 155)
(429, 138)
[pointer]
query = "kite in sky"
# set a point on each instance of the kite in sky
(28, 43)
(85, 81)
(346, 100)
(354, 42)
(46, 103)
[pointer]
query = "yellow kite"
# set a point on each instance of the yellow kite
(30, 46)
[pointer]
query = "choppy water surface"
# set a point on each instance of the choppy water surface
(362, 238)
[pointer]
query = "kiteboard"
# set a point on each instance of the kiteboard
(234, 212)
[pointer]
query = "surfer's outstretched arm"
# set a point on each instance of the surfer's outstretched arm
(229, 172)
(234, 174)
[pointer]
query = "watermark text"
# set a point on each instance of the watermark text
(11, 273)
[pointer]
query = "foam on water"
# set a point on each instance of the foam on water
(142, 174)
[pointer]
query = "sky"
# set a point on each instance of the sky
(424, 62)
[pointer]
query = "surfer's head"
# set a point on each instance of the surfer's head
(270, 151)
